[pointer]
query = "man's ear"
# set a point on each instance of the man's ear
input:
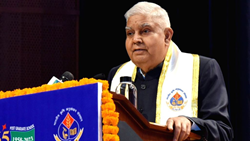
(168, 34)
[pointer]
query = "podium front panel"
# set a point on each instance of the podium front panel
(62, 115)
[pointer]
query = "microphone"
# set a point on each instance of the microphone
(100, 76)
(66, 76)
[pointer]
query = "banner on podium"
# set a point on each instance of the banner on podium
(70, 114)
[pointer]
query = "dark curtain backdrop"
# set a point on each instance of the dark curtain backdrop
(218, 29)
(38, 39)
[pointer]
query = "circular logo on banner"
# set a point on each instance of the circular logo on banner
(68, 128)
(177, 99)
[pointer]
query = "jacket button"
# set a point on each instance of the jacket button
(143, 86)
(141, 110)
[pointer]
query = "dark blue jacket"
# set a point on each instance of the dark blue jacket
(213, 117)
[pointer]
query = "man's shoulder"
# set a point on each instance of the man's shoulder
(209, 67)
(114, 69)
(204, 59)
(112, 72)
(207, 61)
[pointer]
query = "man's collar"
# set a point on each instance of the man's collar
(154, 73)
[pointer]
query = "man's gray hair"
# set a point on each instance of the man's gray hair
(149, 9)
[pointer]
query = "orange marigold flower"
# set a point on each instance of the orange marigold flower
(18, 92)
(107, 113)
(68, 84)
(83, 81)
(9, 94)
(110, 121)
(43, 87)
(108, 106)
(39, 89)
(107, 129)
(105, 84)
(92, 80)
(31, 91)
(24, 91)
(106, 93)
(1, 94)
(55, 86)
(106, 100)
(110, 137)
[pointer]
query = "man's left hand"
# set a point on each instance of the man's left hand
(181, 127)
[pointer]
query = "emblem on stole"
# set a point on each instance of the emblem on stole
(177, 99)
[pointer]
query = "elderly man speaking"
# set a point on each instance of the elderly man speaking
(180, 90)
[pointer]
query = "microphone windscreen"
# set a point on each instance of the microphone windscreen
(67, 76)
(100, 76)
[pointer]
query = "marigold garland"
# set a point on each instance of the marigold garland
(110, 121)
(107, 129)
(110, 137)
(110, 117)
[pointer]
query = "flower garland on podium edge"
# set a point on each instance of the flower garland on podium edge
(110, 117)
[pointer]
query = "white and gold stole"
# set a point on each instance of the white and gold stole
(177, 92)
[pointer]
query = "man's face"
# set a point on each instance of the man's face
(145, 42)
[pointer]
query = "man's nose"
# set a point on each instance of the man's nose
(137, 38)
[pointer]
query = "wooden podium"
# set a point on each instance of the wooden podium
(145, 130)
